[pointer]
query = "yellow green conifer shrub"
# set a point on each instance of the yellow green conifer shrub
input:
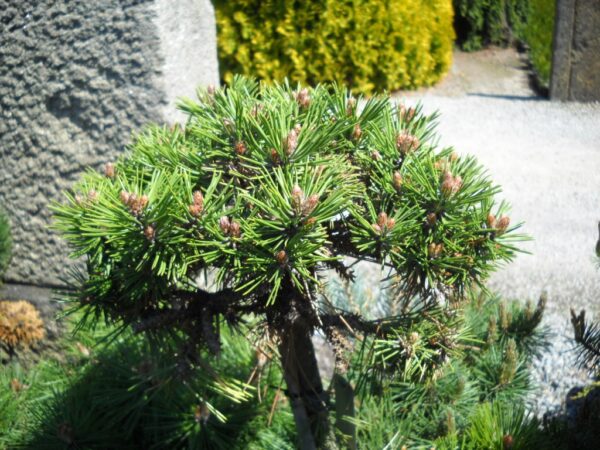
(368, 45)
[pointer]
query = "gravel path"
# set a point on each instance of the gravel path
(546, 156)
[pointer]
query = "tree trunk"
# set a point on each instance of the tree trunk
(304, 387)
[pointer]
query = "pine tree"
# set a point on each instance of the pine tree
(265, 192)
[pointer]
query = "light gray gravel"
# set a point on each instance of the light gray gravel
(546, 156)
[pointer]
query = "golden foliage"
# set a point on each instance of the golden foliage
(365, 44)
(20, 324)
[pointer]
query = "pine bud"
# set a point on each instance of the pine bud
(297, 197)
(450, 184)
(297, 128)
(405, 142)
(198, 198)
(310, 204)
(375, 155)
(125, 197)
(435, 250)
(382, 219)
(240, 148)
(398, 181)
(502, 224)
(16, 385)
(453, 156)
(507, 442)
(350, 106)
(195, 210)
(491, 221)
(149, 232)
(281, 257)
(210, 90)
(92, 196)
(310, 221)
(431, 219)
(357, 132)
(229, 125)
(109, 170)
(234, 229)
(406, 114)
(202, 413)
(79, 200)
(291, 142)
(303, 98)
(224, 224)
(275, 156)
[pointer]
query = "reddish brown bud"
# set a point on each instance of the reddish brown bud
(450, 184)
(109, 170)
(234, 229)
(125, 197)
(149, 232)
(297, 197)
(431, 219)
(303, 98)
(398, 181)
(502, 224)
(92, 196)
(377, 228)
(275, 156)
(375, 155)
(382, 219)
(390, 223)
(435, 250)
(357, 132)
(309, 205)
(405, 142)
(491, 221)
(406, 114)
(311, 221)
(240, 148)
(453, 156)
(291, 142)
(507, 442)
(79, 199)
(202, 413)
(195, 210)
(224, 224)
(281, 257)
(198, 198)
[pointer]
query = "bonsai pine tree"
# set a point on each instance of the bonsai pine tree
(266, 191)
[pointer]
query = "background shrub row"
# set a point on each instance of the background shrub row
(503, 22)
(368, 45)
(373, 45)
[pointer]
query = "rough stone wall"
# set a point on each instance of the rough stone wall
(76, 79)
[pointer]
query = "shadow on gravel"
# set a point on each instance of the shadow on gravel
(524, 98)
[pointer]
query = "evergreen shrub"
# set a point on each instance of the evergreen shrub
(268, 189)
(367, 45)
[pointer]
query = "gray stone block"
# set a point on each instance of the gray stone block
(576, 55)
(77, 78)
